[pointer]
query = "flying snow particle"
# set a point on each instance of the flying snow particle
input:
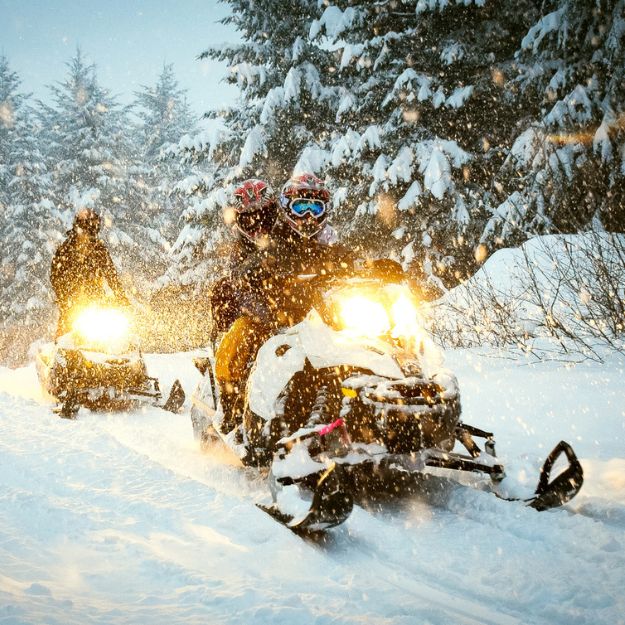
(228, 215)
(411, 116)
(497, 77)
(6, 114)
(81, 95)
(386, 209)
(481, 252)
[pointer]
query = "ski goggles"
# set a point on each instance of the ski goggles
(302, 206)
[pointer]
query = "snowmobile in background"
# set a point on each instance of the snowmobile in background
(354, 399)
(98, 364)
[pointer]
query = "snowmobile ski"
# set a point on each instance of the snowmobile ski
(560, 490)
(330, 506)
(176, 398)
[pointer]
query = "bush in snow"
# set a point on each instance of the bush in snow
(569, 289)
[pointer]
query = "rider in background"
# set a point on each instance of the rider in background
(81, 269)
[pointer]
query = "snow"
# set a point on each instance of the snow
(334, 21)
(460, 95)
(254, 145)
(547, 24)
(437, 174)
(115, 519)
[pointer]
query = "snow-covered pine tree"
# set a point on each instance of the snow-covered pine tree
(84, 130)
(164, 113)
(30, 227)
(164, 118)
(285, 106)
(92, 155)
(566, 169)
(422, 123)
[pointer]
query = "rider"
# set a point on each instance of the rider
(255, 212)
(81, 266)
(263, 299)
(234, 309)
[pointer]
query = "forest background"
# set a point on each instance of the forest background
(446, 129)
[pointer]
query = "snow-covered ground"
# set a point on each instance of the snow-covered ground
(119, 519)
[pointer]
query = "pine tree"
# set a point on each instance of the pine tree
(92, 156)
(567, 166)
(86, 140)
(422, 124)
(30, 227)
(164, 118)
(164, 114)
(285, 107)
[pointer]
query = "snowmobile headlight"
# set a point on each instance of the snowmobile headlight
(364, 316)
(102, 328)
(390, 310)
(405, 316)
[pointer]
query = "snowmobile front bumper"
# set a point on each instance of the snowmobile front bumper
(102, 382)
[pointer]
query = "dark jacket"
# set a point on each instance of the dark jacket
(266, 284)
(81, 267)
(258, 284)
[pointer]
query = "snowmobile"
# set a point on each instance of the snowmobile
(98, 364)
(351, 399)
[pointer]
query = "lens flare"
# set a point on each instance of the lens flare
(405, 316)
(363, 316)
(102, 326)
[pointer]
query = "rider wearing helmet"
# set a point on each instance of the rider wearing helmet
(255, 209)
(81, 267)
(304, 204)
(304, 241)
(256, 291)
(274, 286)
(235, 310)
(255, 212)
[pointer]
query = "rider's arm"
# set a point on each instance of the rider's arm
(110, 273)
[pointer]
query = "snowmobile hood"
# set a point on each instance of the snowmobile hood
(285, 354)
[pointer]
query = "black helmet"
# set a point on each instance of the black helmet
(88, 221)
(256, 209)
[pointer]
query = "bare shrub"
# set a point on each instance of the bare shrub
(569, 289)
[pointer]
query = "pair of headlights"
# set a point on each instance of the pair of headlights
(390, 310)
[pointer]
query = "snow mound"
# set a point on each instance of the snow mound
(564, 287)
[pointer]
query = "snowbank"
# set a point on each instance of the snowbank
(118, 519)
(566, 288)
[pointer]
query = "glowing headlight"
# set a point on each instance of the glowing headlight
(389, 310)
(102, 325)
(405, 316)
(364, 316)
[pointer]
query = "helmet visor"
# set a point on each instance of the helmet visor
(302, 206)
